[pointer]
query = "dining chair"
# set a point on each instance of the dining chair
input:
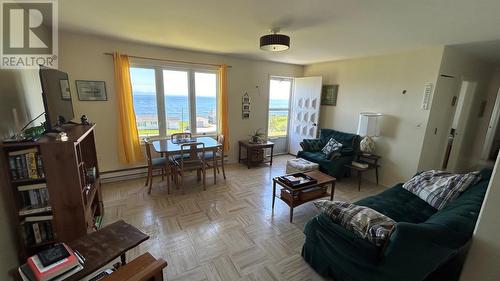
(183, 135)
(195, 161)
(219, 156)
(156, 164)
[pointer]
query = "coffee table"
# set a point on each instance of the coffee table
(295, 197)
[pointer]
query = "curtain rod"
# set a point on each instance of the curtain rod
(175, 61)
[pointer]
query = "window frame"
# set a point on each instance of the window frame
(269, 109)
(160, 94)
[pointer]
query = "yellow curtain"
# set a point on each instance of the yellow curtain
(129, 145)
(223, 106)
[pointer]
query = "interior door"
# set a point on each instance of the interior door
(456, 162)
(304, 111)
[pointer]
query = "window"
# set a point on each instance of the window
(185, 101)
(279, 100)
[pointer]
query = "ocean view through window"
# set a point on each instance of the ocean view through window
(184, 101)
(279, 106)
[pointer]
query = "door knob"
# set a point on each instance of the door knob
(314, 124)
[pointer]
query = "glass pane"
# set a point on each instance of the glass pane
(279, 96)
(176, 93)
(144, 95)
(206, 102)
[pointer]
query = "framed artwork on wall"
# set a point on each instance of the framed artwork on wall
(65, 89)
(91, 90)
(329, 95)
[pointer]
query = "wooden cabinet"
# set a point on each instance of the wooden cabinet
(70, 173)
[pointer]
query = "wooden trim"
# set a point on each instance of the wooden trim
(173, 61)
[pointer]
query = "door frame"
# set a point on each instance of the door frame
(492, 129)
(292, 80)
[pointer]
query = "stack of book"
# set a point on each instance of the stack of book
(37, 230)
(34, 199)
(26, 164)
(56, 263)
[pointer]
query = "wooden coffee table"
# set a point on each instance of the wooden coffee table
(294, 197)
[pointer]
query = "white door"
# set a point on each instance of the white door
(305, 111)
(492, 129)
(456, 162)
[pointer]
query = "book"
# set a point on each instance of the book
(31, 186)
(27, 275)
(38, 218)
(34, 209)
(43, 273)
(53, 254)
(36, 233)
(31, 165)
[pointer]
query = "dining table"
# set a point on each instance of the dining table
(169, 148)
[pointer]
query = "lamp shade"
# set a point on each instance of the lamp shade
(369, 124)
(274, 42)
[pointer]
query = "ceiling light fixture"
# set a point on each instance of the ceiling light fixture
(275, 42)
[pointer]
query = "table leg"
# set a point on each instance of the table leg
(274, 194)
(359, 180)
(291, 214)
(123, 259)
(239, 153)
(376, 174)
(248, 157)
(272, 149)
(332, 191)
(214, 164)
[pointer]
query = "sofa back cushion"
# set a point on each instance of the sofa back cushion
(346, 139)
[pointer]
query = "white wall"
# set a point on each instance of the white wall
(82, 57)
(19, 89)
(376, 84)
(481, 263)
(462, 67)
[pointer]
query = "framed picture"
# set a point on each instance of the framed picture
(65, 89)
(329, 95)
(91, 90)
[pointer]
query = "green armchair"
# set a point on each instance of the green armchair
(334, 164)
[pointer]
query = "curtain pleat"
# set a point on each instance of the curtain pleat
(223, 106)
(129, 145)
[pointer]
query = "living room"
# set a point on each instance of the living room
(380, 58)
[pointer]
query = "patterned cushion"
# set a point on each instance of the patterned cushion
(362, 221)
(331, 146)
(438, 188)
(313, 145)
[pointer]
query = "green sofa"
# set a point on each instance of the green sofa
(424, 239)
(334, 167)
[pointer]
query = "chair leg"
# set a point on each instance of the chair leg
(222, 166)
(204, 176)
(150, 180)
(147, 178)
(163, 174)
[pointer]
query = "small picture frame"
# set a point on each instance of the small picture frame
(329, 95)
(91, 90)
(65, 89)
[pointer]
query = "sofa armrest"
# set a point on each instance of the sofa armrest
(425, 245)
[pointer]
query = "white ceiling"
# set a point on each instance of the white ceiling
(320, 30)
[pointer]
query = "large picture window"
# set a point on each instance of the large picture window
(170, 100)
(279, 106)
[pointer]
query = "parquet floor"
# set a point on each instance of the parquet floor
(228, 232)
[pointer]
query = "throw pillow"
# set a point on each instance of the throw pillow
(362, 221)
(313, 145)
(439, 188)
(331, 146)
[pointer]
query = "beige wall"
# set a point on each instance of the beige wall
(376, 84)
(462, 67)
(19, 89)
(484, 254)
(82, 57)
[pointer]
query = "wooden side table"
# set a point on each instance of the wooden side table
(294, 197)
(255, 153)
(371, 160)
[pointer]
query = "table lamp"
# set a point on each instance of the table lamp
(368, 127)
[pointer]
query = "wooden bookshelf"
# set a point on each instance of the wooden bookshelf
(74, 199)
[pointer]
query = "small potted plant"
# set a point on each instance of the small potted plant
(257, 136)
